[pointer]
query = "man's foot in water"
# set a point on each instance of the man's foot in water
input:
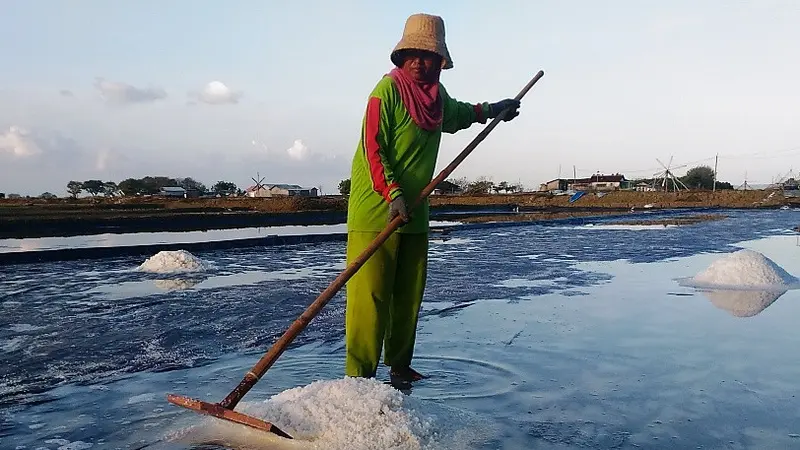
(406, 375)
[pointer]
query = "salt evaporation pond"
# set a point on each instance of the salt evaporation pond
(535, 336)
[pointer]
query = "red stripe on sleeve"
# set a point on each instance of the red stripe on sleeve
(479, 113)
(371, 146)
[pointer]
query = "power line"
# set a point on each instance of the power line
(765, 153)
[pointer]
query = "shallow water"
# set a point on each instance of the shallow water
(547, 335)
(169, 237)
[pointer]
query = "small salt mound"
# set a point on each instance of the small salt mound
(346, 414)
(745, 269)
(173, 262)
(351, 413)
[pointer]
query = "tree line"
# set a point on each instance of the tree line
(149, 185)
(701, 177)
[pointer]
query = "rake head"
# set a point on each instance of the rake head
(216, 410)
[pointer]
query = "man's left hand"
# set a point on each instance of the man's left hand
(511, 104)
(398, 208)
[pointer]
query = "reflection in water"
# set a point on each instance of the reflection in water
(176, 284)
(743, 303)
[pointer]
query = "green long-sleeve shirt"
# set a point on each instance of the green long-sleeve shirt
(395, 156)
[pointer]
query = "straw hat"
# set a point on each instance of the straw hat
(423, 32)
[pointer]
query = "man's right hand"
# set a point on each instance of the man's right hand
(398, 208)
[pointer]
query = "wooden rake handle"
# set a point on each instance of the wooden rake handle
(269, 358)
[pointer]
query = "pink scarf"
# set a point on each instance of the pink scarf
(422, 100)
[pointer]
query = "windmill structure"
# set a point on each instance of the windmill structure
(258, 187)
(785, 181)
(663, 179)
(744, 186)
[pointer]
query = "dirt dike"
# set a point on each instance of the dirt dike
(630, 199)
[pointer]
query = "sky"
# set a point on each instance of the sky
(94, 89)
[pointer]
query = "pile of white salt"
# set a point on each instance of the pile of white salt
(173, 261)
(745, 269)
(343, 414)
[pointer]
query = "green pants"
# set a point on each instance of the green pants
(383, 301)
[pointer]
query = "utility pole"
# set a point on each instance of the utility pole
(716, 158)
(574, 177)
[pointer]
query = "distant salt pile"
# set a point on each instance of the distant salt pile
(745, 269)
(346, 414)
(176, 261)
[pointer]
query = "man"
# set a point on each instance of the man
(406, 114)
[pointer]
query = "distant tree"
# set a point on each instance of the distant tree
(724, 185)
(479, 186)
(74, 188)
(131, 186)
(224, 188)
(47, 195)
(344, 187)
(462, 183)
(151, 185)
(110, 189)
(189, 183)
(700, 177)
(93, 187)
(503, 186)
(515, 188)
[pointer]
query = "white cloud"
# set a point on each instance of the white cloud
(217, 93)
(299, 151)
(41, 159)
(101, 160)
(19, 142)
(121, 93)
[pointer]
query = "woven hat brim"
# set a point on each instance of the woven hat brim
(423, 43)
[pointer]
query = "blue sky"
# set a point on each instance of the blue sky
(99, 89)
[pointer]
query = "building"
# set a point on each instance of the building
(559, 184)
(172, 191)
(292, 190)
(281, 190)
(600, 183)
(192, 193)
(446, 188)
(258, 192)
(644, 187)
